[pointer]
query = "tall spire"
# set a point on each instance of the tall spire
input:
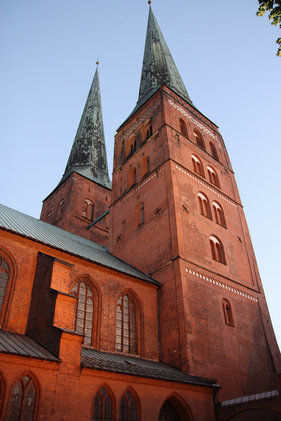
(158, 66)
(88, 153)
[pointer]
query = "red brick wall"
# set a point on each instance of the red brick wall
(74, 191)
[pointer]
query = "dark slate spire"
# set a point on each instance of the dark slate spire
(88, 153)
(158, 66)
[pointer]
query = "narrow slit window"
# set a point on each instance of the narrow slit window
(227, 311)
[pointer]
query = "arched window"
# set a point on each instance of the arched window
(145, 166)
(60, 209)
(214, 152)
(88, 209)
(23, 400)
(126, 335)
(199, 139)
(129, 409)
(227, 311)
(213, 177)
(168, 412)
(103, 406)
(6, 278)
(132, 177)
(197, 165)
(84, 311)
(219, 214)
(217, 250)
(204, 205)
(139, 215)
(183, 127)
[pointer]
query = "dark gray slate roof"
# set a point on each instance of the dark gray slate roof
(133, 366)
(88, 153)
(158, 66)
(50, 235)
(18, 344)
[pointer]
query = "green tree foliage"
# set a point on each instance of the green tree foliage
(274, 9)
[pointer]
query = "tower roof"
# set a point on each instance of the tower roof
(88, 153)
(158, 66)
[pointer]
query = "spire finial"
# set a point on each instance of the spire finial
(149, 2)
(97, 62)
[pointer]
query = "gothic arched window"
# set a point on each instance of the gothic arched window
(214, 151)
(126, 334)
(197, 165)
(217, 250)
(183, 127)
(213, 177)
(88, 209)
(23, 400)
(204, 205)
(84, 311)
(6, 278)
(227, 311)
(103, 406)
(128, 410)
(219, 214)
(199, 139)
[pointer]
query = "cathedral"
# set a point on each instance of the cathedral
(138, 299)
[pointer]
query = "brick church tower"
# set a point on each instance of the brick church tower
(176, 214)
(80, 202)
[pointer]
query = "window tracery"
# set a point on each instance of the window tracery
(23, 400)
(128, 410)
(84, 311)
(103, 406)
(126, 334)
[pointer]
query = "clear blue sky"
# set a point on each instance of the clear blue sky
(226, 57)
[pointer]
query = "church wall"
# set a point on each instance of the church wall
(236, 354)
(107, 284)
(65, 392)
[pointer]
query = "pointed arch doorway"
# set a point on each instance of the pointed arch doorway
(173, 410)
